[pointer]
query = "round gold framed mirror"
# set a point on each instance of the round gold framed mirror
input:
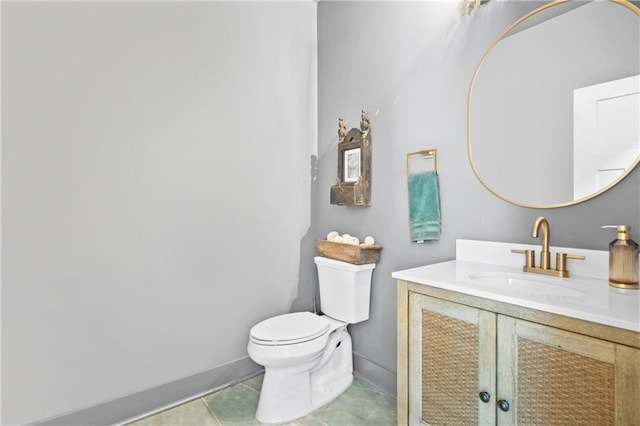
(553, 110)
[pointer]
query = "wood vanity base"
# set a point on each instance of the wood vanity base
(456, 351)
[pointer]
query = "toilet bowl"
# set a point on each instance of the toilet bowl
(308, 358)
(304, 372)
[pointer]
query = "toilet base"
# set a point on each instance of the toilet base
(284, 396)
(288, 394)
(326, 395)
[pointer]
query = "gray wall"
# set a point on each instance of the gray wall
(155, 190)
(410, 64)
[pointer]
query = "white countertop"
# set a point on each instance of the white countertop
(588, 298)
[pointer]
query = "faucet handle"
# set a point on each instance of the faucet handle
(561, 261)
(529, 257)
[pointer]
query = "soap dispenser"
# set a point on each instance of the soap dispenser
(623, 259)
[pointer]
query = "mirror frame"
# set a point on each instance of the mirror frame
(506, 32)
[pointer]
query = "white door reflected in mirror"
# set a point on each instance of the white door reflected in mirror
(606, 133)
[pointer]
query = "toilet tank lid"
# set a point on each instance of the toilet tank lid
(288, 328)
(338, 264)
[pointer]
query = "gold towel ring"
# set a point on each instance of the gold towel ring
(426, 153)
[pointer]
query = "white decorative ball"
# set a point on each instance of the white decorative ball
(369, 240)
(331, 235)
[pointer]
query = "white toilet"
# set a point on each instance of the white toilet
(307, 358)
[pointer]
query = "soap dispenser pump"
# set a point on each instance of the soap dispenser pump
(623, 259)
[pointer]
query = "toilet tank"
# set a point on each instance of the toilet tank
(345, 289)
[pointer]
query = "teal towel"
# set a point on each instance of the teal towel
(424, 206)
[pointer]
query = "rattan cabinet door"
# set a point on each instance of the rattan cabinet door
(554, 377)
(452, 359)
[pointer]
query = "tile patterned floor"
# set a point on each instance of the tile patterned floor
(362, 404)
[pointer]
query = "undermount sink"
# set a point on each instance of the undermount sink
(521, 284)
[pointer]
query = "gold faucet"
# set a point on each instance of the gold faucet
(560, 270)
(545, 255)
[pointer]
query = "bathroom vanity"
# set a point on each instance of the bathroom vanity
(481, 342)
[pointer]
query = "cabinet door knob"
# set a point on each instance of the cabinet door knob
(503, 405)
(484, 396)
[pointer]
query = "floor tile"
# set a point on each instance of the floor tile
(235, 405)
(364, 404)
(361, 405)
(194, 413)
(255, 382)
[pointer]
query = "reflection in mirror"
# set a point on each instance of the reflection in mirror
(522, 139)
(607, 112)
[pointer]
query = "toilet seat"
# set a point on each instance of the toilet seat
(289, 329)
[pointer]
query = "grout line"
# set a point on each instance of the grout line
(210, 411)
